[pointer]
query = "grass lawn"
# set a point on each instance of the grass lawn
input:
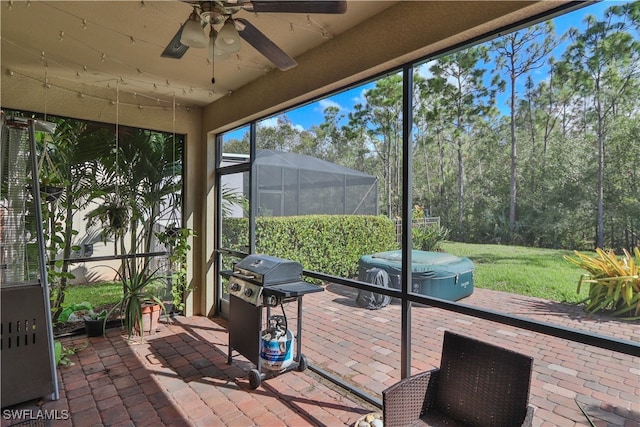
(535, 272)
(542, 273)
(101, 294)
(97, 294)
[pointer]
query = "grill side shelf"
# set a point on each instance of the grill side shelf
(289, 290)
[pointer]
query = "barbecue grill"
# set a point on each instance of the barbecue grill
(258, 282)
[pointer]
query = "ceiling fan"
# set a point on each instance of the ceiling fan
(225, 41)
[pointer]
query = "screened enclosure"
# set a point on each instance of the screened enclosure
(296, 184)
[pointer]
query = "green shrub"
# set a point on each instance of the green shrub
(428, 237)
(331, 244)
(614, 283)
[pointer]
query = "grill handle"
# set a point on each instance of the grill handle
(244, 276)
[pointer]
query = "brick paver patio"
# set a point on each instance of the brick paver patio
(365, 350)
(180, 375)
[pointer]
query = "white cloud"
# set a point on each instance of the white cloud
(269, 123)
(325, 103)
(424, 71)
(272, 122)
(360, 99)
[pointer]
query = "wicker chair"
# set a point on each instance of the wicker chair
(477, 384)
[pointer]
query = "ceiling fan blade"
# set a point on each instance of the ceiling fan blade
(175, 49)
(296, 6)
(266, 47)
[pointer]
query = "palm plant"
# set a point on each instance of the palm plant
(71, 168)
(142, 176)
(231, 198)
(138, 283)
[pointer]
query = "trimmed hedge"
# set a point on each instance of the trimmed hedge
(330, 244)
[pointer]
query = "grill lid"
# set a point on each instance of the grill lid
(268, 269)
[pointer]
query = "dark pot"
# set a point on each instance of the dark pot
(116, 217)
(94, 328)
(172, 232)
(51, 193)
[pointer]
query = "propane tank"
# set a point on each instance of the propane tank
(276, 350)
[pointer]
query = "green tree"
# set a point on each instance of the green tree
(430, 132)
(518, 53)
(379, 122)
(623, 182)
(281, 137)
(464, 101)
(237, 146)
(603, 65)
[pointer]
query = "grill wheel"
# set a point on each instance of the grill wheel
(254, 379)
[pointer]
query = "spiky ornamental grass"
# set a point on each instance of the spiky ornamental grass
(614, 282)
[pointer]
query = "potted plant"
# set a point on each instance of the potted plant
(139, 306)
(51, 182)
(48, 191)
(113, 213)
(117, 216)
(51, 192)
(94, 323)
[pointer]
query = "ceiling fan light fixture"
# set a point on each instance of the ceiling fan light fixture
(219, 54)
(193, 34)
(215, 53)
(228, 38)
(212, 13)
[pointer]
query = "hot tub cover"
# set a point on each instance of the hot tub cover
(437, 274)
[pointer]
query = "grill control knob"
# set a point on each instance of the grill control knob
(271, 301)
(248, 292)
(235, 287)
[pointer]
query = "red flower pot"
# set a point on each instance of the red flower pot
(150, 319)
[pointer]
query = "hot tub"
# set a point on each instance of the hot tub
(435, 274)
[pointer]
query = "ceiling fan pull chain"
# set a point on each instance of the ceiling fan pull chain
(213, 77)
(213, 35)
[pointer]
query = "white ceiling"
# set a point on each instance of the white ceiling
(109, 43)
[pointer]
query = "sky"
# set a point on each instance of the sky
(310, 115)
